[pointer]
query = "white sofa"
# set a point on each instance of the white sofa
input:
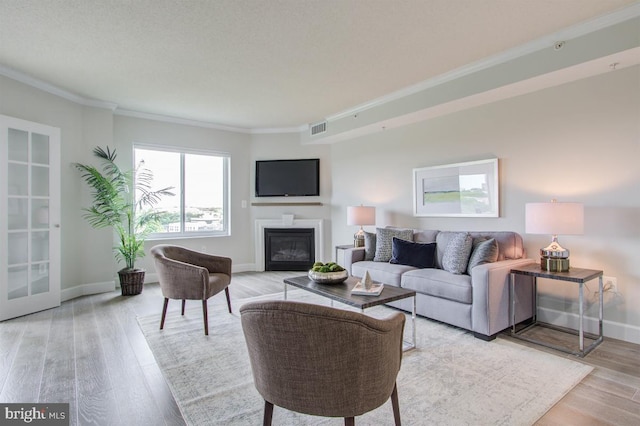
(478, 301)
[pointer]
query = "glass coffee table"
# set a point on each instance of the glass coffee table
(342, 293)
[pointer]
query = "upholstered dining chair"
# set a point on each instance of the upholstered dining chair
(190, 275)
(322, 361)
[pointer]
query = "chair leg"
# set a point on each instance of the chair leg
(395, 405)
(226, 290)
(268, 414)
(206, 317)
(164, 312)
(183, 302)
(349, 421)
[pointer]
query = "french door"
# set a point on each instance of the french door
(29, 217)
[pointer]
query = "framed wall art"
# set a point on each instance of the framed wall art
(457, 190)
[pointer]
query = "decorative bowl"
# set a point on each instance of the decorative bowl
(328, 277)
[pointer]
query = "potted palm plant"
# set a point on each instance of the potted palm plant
(124, 201)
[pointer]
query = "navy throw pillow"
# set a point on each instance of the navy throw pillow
(419, 255)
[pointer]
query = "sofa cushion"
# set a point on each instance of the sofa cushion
(420, 255)
(369, 245)
(424, 236)
(384, 243)
(484, 251)
(439, 283)
(456, 255)
(383, 272)
(510, 244)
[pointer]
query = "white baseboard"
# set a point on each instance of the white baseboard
(613, 329)
(246, 267)
(107, 286)
(95, 288)
(86, 289)
(243, 267)
(149, 278)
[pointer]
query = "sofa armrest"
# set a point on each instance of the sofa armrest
(490, 291)
(351, 256)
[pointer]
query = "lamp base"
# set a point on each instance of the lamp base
(358, 238)
(554, 264)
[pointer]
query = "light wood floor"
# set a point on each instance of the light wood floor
(91, 353)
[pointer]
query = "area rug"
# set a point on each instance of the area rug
(451, 378)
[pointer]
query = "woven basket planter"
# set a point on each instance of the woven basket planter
(131, 281)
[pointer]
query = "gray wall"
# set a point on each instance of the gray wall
(86, 255)
(576, 142)
(287, 146)
(129, 130)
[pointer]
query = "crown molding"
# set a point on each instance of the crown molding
(572, 32)
(280, 130)
(54, 90)
(205, 124)
(178, 120)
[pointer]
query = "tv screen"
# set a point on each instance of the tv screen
(288, 178)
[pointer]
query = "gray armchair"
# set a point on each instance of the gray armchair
(322, 361)
(190, 275)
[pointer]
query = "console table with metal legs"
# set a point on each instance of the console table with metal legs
(575, 275)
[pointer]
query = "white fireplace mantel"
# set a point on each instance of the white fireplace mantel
(287, 223)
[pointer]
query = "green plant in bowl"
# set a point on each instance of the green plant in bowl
(328, 273)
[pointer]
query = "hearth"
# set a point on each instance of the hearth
(289, 249)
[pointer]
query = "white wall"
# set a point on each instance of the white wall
(129, 130)
(576, 142)
(85, 253)
(287, 146)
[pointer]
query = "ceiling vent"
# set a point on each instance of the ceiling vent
(318, 128)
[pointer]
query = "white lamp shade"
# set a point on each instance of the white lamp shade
(361, 215)
(554, 218)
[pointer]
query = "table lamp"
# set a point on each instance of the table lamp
(554, 218)
(360, 216)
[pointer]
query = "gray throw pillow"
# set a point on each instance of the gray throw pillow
(484, 251)
(369, 245)
(384, 241)
(456, 254)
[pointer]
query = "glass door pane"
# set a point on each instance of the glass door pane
(17, 243)
(18, 282)
(18, 143)
(39, 149)
(39, 278)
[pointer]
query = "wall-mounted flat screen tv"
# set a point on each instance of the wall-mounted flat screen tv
(288, 178)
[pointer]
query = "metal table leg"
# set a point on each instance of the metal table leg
(412, 344)
(581, 317)
(512, 297)
(600, 309)
(413, 321)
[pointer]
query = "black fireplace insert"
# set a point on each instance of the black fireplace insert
(289, 249)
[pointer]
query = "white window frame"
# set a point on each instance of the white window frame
(226, 231)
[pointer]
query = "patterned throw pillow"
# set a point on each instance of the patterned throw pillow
(384, 237)
(369, 245)
(456, 254)
(484, 251)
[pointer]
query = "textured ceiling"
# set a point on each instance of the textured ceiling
(260, 64)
